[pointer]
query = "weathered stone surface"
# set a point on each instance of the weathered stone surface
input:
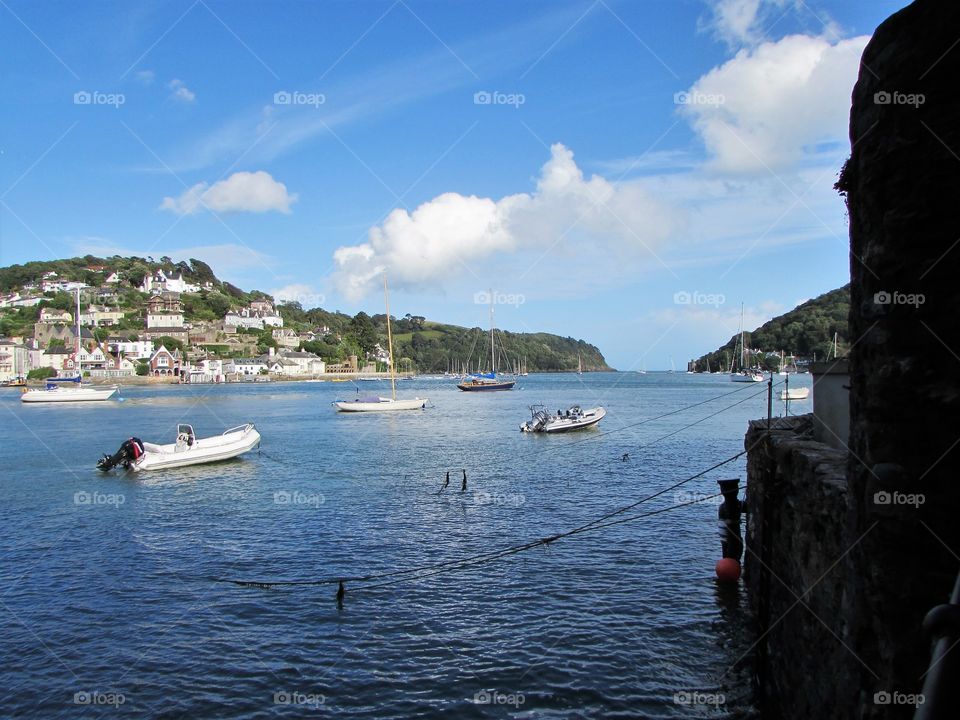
(870, 556)
(903, 181)
(796, 541)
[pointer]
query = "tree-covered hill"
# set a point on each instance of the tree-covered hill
(807, 331)
(419, 344)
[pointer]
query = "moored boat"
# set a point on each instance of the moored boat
(377, 403)
(54, 392)
(574, 418)
(136, 455)
(801, 393)
(486, 381)
(380, 404)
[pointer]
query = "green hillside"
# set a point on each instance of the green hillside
(807, 331)
(419, 344)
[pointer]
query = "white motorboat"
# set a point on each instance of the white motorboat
(55, 392)
(801, 393)
(380, 404)
(188, 449)
(573, 419)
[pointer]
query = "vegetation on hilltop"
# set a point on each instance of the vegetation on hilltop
(807, 331)
(418, 343)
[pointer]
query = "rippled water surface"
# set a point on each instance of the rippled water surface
(111, 604)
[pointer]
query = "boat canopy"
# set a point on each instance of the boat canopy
(484, 376)
(74, 379)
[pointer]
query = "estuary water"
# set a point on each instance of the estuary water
(111, 603)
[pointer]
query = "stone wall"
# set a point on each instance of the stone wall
(796, 501)
(841, 574)
(902, 183)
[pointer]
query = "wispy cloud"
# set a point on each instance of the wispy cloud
(181, 93)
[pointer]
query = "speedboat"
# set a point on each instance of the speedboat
(136, 455)
(379, 404)
(573, 419)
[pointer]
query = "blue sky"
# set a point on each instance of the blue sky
(628, 173)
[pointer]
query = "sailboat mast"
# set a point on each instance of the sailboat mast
(743, 347)
(386, 302)
(493, 357)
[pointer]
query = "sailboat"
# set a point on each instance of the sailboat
(579, 365)
(744, 375)
(487, 381)
(59, 390)
(382, 404)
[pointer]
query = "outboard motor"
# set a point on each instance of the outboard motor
(128, 454)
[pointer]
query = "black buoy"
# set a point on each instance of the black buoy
(341, 592)
(463, 488)
(446, 483)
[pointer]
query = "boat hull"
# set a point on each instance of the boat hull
(63, 395)
(383, 405)
(486, 387)
(205, 450)
(795, 394)
(555, 424)
(746, 378)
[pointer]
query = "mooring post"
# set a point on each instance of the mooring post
(786, 395)
(731, 540)
(769, 399)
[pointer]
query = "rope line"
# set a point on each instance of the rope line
(450, 565)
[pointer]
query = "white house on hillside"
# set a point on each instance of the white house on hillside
(173, 282)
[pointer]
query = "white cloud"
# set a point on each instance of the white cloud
(778, 100)
(735, 22)
(145, 77)
(181, 92)
(567, 214)
(241, 192)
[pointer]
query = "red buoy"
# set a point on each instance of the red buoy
(728, 570)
